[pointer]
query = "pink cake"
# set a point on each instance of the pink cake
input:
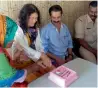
(62, 76)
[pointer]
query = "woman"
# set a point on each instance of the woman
(25, 44)
(29, 19)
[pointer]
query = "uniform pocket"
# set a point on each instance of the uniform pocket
(89, 35)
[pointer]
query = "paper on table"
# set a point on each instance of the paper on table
(63, 76)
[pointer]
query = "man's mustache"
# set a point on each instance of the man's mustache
(93, 16)
(56, 21)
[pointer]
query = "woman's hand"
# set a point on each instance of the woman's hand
(45, 60)
(40, 63)
(9, 45)
(20, 56)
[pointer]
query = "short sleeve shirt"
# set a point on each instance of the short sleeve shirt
(86, 29)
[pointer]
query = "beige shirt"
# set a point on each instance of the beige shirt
(86, 29)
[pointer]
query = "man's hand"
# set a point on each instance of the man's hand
(84, 44)
(46, 60)
(60, 61)
(94, 52)
(69, 58)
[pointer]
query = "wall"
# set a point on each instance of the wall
(72, 10)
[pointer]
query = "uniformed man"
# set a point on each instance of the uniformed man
(86, 33)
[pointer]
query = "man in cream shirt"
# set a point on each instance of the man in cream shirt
(86, 33)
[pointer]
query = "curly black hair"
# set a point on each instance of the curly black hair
(24, 14)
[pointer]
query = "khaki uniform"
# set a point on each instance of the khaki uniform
(86, 29)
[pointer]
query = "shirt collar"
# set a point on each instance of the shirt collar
(62, 25)
(89, 19)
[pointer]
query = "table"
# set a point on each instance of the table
(86, 71)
